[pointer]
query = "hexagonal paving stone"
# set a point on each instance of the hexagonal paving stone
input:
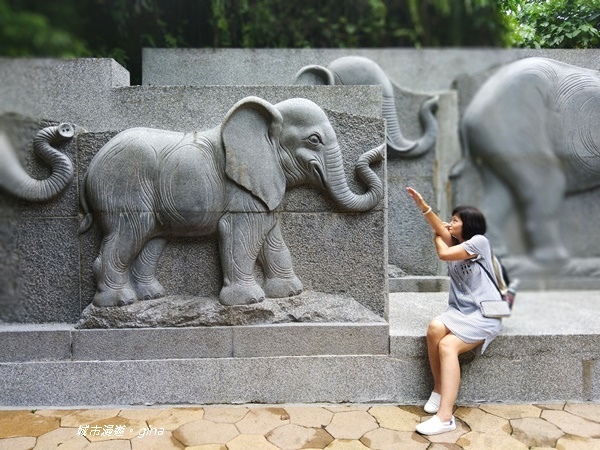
(25, 423)
(172, 418)
(87, 416)
(203, 432)
(577, 443)
(478, 420)
(207, 447)
(478, 441)
(262, 420)
(309, 416)
(140, 414)
(384, 439)
(225, 414)
(572, 424)
(109, 445)
(512, 411)
(394, 418)
(115, 428)
(351, 425)
(590, 411)
(250, 441)
(54, 412)
(158, 441)
(346, 444)
(536, 432)
(62, 438)
(293, 437)
(18, 443)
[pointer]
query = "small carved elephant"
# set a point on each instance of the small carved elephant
(357, 70)
(147, 185)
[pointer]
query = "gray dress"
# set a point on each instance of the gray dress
(469, 285)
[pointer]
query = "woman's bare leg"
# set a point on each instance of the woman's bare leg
(449, 348)
(435, 333)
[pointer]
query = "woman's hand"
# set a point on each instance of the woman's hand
(418, 199)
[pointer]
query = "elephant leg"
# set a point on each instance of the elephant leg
(241, 237)
(118, 251)
(497, 205)
(540, 187)
(143, 273)
(280, 279)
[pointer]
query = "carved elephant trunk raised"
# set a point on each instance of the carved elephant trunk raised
(15, 180)
(338, 186)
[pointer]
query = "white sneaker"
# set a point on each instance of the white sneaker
(433, 404)
(436, 426)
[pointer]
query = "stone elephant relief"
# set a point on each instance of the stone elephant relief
(147, 185)
(532, 130)
(357, 70)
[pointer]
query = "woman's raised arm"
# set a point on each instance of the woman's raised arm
(434, 221)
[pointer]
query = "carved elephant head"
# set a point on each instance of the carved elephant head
(297, 145)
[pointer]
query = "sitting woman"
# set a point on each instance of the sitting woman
(462, 327)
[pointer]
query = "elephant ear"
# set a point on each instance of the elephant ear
(250, 134)
(315, 76)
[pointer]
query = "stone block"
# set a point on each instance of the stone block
(22, 343)
(152, 343)
(417, 69)
(306, 339)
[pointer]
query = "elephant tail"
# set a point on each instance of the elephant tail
(86, 223)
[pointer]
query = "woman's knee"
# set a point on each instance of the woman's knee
(436, 330)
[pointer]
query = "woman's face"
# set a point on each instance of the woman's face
(455, 227)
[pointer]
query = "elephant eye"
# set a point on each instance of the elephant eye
(315, 139)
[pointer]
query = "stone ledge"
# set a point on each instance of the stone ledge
(37, 343)
(419, 284)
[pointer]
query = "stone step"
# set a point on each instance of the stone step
(62, 342)
(549, 351)
(549, 348)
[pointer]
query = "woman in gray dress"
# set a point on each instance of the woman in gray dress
(461, 327)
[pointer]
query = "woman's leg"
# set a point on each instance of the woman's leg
(449, 348)
(435, 333)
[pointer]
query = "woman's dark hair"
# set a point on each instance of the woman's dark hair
(473, 221)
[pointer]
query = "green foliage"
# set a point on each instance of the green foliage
(121, 28)
(26, 33)
(554, 23)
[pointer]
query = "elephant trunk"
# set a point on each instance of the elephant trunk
(338, 185)
(15, 180)
(398, 145)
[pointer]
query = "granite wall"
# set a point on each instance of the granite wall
(45, 271)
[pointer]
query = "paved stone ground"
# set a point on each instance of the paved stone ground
(565, 426)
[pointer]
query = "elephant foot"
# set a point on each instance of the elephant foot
(114, 297)
(241, 295)
(149, 291)
(552, 255)
(283, 287)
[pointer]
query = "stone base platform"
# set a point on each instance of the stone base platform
(548, 352)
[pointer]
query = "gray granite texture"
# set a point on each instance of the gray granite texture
(95, 94)
(422, 70)
(46, 270)
(547, 352)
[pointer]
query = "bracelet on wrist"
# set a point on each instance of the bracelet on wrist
(427, 212)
